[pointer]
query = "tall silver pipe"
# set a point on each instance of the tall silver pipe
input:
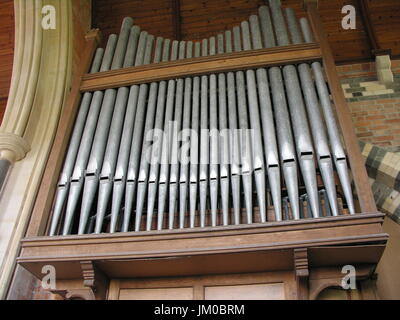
(267, 29)
(339, 154)
(137, 137)
(270, 142)
(223, 149)
(320, 138)
(257, 144)
(102, 131)
(285, 139)
(162, 159)
(155, 104)
(185, 152)
(204, 149)
(134, 56)
(245, 145)
(163, 116)
(199, 106)
(305, 150)
(214, 176)
(235, 151)
(288, 157)
(317, 127)
(173, 171)
(267, 117)
(73, 148)
(122, 113)
(281, 32)
(85, 146)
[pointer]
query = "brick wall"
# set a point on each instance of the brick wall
(375, 107)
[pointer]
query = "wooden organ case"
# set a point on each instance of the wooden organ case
(269, 215)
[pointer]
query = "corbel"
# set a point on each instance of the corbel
(95, 285)
(301, 272)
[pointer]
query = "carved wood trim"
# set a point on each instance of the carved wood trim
(95, 285)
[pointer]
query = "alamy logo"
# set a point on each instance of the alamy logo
(49, 280)
(49, 17)
(349, 20)
(349, 280)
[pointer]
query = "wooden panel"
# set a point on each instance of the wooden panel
(241, 286)
(271, 291)
(157, 294)
(198, 66)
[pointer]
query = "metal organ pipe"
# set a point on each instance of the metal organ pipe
(245, 139)
(320, 139)
(65, 177)
(105, 126)
(137, 137)
(331, 125)
(156, 91)
(85, 146)
(223, 147)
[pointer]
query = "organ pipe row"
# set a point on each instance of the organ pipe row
(219, 149)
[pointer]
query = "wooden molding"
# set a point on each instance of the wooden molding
(200, 66)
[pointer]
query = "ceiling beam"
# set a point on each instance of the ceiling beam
(369, 29)
(176, 19)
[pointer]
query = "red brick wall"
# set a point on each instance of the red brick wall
(375, 107)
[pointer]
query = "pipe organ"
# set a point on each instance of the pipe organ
(230, 148)
(231, 155)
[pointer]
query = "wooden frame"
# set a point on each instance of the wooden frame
(290, 244)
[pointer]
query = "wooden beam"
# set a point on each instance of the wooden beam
(364, 192)
(369, 29)
(44, 199)
(176, 19)
(200, 66)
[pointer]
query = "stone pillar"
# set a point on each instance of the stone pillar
(383, 69)
(13, 148)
